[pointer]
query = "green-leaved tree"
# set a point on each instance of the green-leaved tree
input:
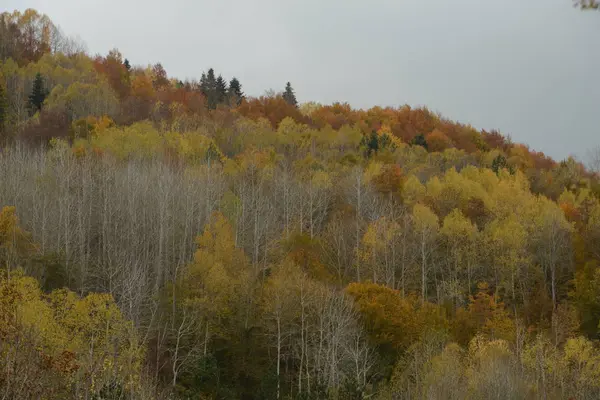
(289, 96)
(38, 94)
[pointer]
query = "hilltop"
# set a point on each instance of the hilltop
(166, 239)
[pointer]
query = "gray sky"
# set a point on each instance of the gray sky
(525, 67)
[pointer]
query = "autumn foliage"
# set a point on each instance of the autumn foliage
(168, 239)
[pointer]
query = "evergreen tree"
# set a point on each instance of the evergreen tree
(235, 93)
(499, 163)
(203, 84)
(419, 140)
(208, 87)
(385, 142)
(38, 94)
(370, 144)
(289, 95)
(127, 65)
(220, 90)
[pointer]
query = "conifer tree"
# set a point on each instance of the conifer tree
(208, 87)
(499, 163)
(38, 94)
(289, 96)
(419, 140)
(235, 93)
(370, 144)
(220, 90)
(127, 65)
(203, 84)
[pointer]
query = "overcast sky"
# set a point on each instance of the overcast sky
(526, 67)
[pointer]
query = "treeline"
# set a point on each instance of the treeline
(166, 239)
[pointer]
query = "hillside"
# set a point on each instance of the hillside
(169, 239)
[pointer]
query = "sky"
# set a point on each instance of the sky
(525, 67)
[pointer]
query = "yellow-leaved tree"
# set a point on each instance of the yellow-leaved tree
(211, 298)
(64, 346)
(15, 243)
(426, 227)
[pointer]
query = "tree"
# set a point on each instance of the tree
(499, 163)
(419, 140)
(438, 141)
(220, 90)
(375, 142)
(208, 87)
(159, 78)
(127, 65)
(489, 316)
(203, 85)
(235, 93)
(370, 144)
(210, 299)
(552, 240)
(586, 298)
(460, 236)
(582, 368)
(280, 302)
(289, 96)
(63, 346)
(446, 377)
(426, 226)
(115, 70)
(38, 94)
(15, 243)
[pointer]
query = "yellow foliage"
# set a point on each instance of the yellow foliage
(15, 243)
(91, 329)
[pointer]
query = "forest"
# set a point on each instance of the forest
(168, 239)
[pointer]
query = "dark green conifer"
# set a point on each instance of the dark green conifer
(289, 95)
(235, 93)
(220, 90)
(38, 94)
(208, 87)
(419, 140)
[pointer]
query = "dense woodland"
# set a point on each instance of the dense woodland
(168, 239)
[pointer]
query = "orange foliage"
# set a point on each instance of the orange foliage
(437, 141)
(571, 212)
(273, 108)
(305, 252)
(112, 67)
(192, 101)
(495, 140)
(335, 115)
(389, 180)
(141, 87)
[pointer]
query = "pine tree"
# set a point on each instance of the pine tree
(370, 144)
(289, 95)
(220, 90)
(127, 65)
(203, 86)
(235, 93)
(499, 163)
(38, 94)
(208, 87)
(419, 140)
